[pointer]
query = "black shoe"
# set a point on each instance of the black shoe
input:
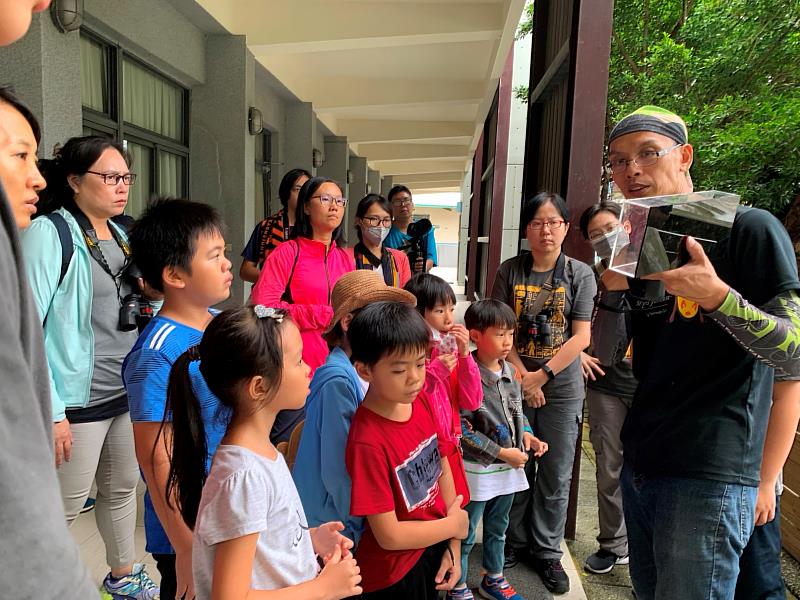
(603, 561)
(552, 574)
(511, 558)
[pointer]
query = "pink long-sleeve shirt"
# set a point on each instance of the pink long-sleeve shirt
(315, 273)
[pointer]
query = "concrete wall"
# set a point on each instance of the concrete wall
(155, 32)
(274, 110)
(44, 68)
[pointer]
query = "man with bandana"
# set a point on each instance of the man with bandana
(693, 481)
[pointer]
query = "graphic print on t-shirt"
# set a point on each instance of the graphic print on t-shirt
(418, 474)
(524, 299)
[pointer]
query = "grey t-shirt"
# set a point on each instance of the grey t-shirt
(38, 554)
(572, 299)
(247, 493)
(111, 345)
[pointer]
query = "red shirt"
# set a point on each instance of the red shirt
(396, 467)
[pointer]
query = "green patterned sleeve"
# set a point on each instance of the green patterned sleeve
(771, 333)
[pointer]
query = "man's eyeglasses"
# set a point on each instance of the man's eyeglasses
(401, 202)
(115, 178)
(326, 200)
(553, 224)
(376, 221)
(646, 158)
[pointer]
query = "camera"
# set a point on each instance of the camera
(416, 246)
(536, 329)
(134, 311)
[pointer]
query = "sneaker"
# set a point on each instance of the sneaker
(136, 586)
(460, 594)
(552, 575)
(603, 561)
(497, 588)
(511, 558)
(88, 505)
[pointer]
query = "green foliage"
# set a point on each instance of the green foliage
(731, 68)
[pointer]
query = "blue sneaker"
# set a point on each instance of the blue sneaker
(460, 594)
(497, 588)
(136, 586)
(88, 505)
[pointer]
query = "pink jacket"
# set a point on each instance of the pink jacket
(453, 391)
(449, 392)
(315, 273)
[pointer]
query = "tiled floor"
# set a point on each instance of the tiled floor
(84, 530)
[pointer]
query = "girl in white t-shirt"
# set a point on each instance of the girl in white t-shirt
(251, 538)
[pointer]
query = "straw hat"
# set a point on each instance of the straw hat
(358, 288)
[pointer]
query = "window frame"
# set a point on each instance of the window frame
(113, 123)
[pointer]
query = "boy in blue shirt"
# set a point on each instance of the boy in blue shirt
(179, 248)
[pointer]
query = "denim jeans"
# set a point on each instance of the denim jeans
(495, 522)
(760, 565)
(685, 535)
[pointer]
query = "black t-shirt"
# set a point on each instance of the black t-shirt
(703, 402)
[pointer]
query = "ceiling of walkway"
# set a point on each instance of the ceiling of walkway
(409, 83)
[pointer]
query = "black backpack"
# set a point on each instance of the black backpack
(65, 236)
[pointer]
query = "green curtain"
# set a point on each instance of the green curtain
(170, 174)
(93, 76)
(151, 102)
(139, 192)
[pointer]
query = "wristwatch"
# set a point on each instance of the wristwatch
(549, 372)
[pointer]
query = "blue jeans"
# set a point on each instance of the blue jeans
(760, 565)
(495, 522)
(685, 536)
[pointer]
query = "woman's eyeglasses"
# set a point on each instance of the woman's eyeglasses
(326, 200)
(115, 178)
(377, 221)
(552, 224)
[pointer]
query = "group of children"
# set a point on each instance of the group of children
(380, 500)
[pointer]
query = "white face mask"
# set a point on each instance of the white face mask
(605, 245)
(376, 235)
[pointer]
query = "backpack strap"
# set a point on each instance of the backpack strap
(287, 292)
(65, 237)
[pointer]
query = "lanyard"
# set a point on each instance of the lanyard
(93, 244)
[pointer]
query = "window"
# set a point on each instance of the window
(263, 179)
(130, 101)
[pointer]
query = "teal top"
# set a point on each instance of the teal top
(65, 310)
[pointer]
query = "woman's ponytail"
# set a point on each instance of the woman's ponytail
(188, 451)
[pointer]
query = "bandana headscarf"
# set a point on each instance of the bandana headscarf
(655, 119)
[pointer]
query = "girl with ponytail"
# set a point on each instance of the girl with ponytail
(251, 538)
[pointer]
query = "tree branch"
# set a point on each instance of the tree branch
(688, 5)
(622, 50)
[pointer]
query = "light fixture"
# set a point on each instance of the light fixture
(67, 14)
(316, 158)
(255, 122)
(369, 188)
(350, 176)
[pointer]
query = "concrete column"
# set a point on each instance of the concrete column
(222, 150)
(358, 189)
(44, 68)
(335, 166)
(463, 230)
(299, 137)
(386, 185)
(374, 181)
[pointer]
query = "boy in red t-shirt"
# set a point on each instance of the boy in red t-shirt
(401, 484)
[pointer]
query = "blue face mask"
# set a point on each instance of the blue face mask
(376, 235)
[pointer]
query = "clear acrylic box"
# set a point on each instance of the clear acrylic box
(659, 224)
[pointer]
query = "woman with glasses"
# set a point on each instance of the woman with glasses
(275, 229)
(552, 296)
(373, 222)
(299, 275)
(87, 335)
